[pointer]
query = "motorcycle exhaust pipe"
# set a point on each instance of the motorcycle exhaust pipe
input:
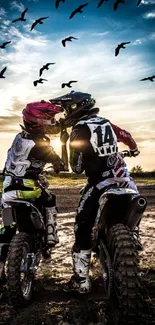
(37, 222)
(137, 207)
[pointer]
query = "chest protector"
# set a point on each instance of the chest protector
(17, 159)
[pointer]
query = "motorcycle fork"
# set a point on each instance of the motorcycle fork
(99, 238)
(31, 260)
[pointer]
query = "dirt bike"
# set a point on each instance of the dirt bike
(120, 211)
(25, 249)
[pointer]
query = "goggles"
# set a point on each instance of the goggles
(83, 103)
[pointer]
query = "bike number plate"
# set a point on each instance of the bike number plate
(7, 216)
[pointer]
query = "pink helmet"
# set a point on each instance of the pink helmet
(39, 117)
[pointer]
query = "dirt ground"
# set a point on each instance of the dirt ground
(53, 306)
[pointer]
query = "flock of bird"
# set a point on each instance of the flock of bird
(46, 67)
(79, 9)
(67, 39)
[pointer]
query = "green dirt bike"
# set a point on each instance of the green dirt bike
(120, 211)
(25, 249)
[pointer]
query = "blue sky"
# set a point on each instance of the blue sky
(113, 81)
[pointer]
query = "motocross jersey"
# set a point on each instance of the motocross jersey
(28, 155)
(94, 149)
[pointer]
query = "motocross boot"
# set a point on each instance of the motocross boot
(51, 226)
(80, 280)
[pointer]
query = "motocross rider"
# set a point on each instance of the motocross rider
(93, 149)
(29, 153)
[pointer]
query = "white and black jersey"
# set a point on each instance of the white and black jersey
(94, 149)
(28, 155)
(93, 145)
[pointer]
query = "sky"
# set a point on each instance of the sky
(114, 81)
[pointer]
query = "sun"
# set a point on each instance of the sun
(56, 143)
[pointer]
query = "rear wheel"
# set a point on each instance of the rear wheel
(19, 278)
(126, 289)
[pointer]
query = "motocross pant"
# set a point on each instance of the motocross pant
(88, 207)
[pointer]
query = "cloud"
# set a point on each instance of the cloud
(12, 33)
(101, 34)
(149, 15)
(2, 12)
(6, 23)
(148, 2)
(151, 36)
(92, 63)
(137, 42)
(16, 5)
(113, 81)
(11, 122)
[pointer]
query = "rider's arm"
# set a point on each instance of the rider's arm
(64, 136)
(76, 150)
(45, 152)
(124, 136)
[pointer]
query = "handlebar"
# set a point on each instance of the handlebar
(47, 170)
(50, 170)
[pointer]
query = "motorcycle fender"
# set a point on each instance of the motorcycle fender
(121, 191)
(102, 202)
(7, 216)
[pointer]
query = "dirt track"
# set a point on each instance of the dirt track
(51, 305)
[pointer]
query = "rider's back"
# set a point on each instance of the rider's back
(94, 144)
(28, 155)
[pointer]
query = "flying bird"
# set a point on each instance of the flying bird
(39, 81)
(21, 17)
(138, 3)
(69, 39)
(67, 84)
(117, 49)
(38, 21)
(2, 72)
(44, 67)
(100, 3)
(57, 3)
(148, 78)
(4, 45)
(117, 3)
(79, 9)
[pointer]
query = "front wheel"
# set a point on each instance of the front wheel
(126, 288)
(19, 277)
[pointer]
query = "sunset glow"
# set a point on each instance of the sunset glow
(114, 81)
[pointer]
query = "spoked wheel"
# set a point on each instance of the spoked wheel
(19, 277)
(126, 291)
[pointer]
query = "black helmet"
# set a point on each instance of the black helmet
(76, 105)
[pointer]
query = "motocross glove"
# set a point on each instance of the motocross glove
(43, 180)
(134, 152)
(62, 122)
